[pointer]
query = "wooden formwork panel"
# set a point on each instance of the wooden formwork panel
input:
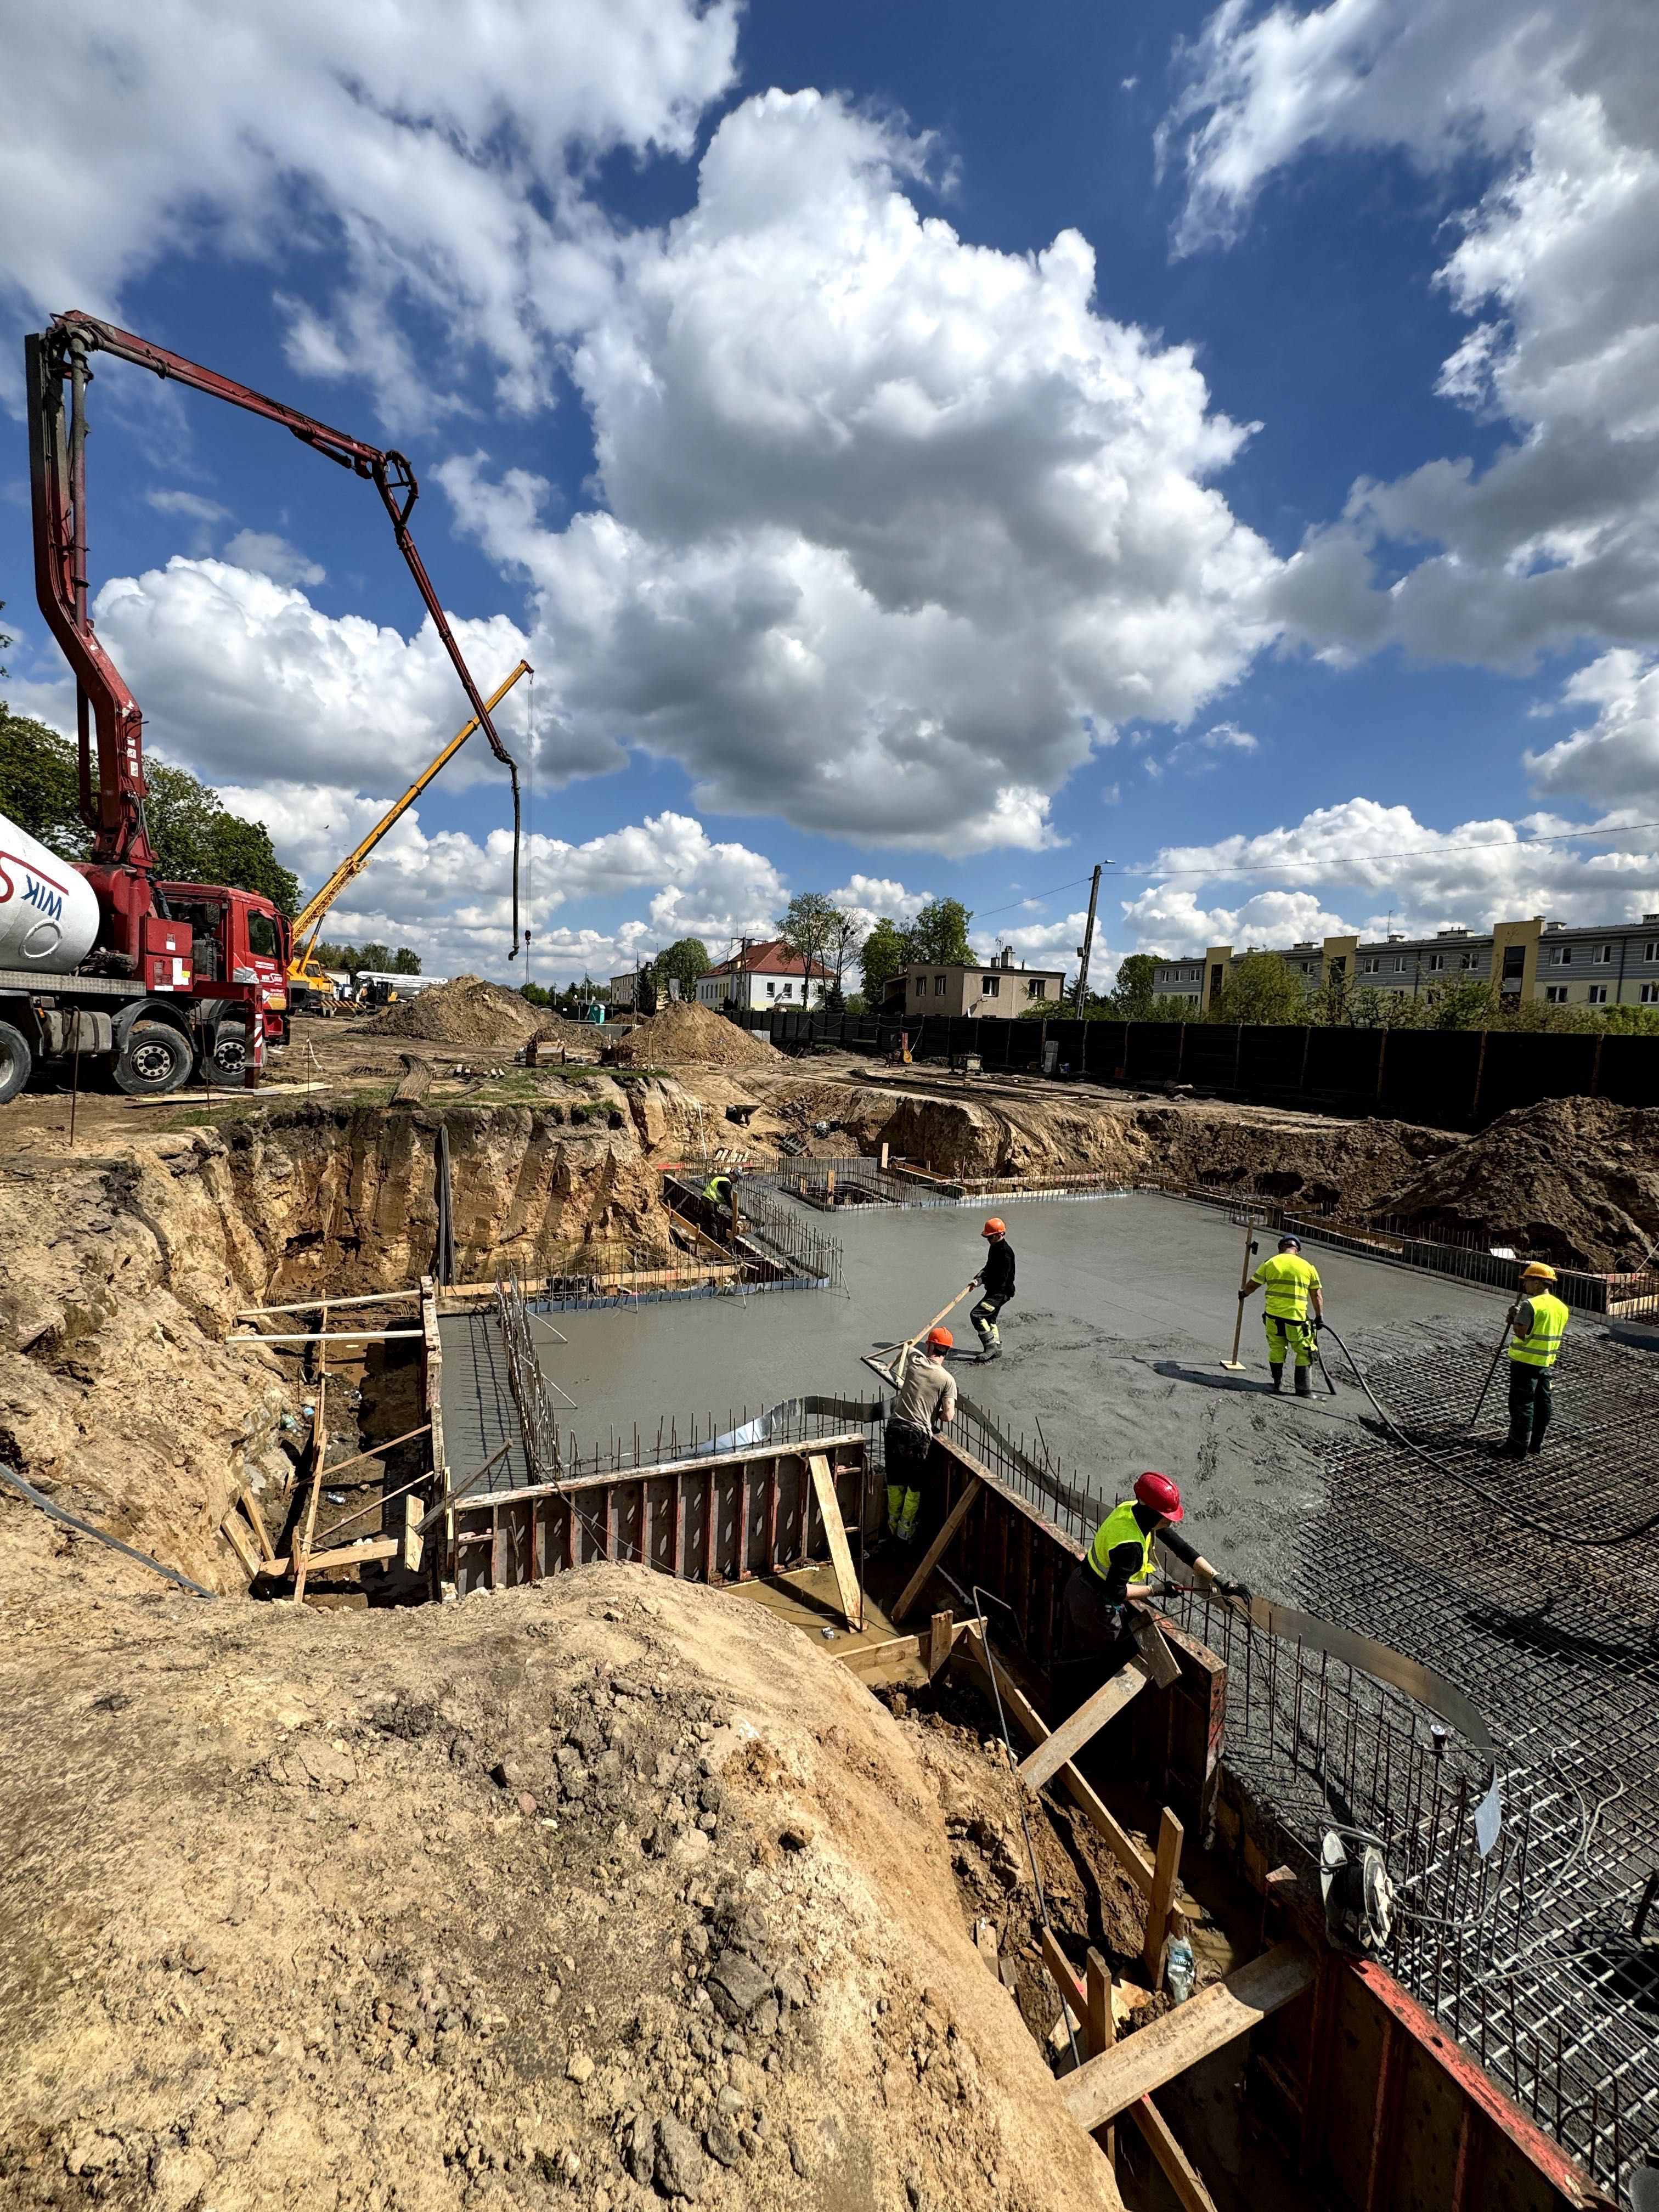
(717, 1521)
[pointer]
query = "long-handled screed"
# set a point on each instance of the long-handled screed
(902, 1351)
(1249, 1222)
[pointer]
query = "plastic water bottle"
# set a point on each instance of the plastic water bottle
(1179, 1972)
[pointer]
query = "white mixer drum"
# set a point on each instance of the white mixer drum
(48, 910)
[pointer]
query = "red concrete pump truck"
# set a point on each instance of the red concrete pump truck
(101, 958)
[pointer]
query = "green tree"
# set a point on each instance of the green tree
(685, 960)
(39, 784)
(938, 935)
(883, 955)
(1261, 986)
(378, 959)
(535, 995)
(846, 932)
(1131, 997)
(645, 990)
(196, 839)
(808, 930)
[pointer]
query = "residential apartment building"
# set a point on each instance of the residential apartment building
(1610, 965)
(762, 975)
(996, 992)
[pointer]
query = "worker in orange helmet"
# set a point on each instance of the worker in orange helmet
(996, 1279)
(926, 1403)
(1118, 1571)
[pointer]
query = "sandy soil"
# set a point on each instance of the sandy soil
(598, 1893)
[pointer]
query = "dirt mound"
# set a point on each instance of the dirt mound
(467, 1010)
(1573, 1181)
(686, 1032)
(612, 1887)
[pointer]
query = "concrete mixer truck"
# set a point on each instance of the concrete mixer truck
(101, 959)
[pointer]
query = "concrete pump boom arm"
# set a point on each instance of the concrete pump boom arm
(58, 355)
(310, 916)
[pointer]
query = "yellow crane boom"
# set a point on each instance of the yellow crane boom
(310, 916)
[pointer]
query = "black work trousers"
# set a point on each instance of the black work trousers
(1094, 1641)
(1532, 1402)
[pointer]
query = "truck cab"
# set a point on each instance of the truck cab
(237, 968)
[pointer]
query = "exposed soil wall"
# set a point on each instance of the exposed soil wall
(122, 1274)
(601, 1895)
(1247, 1151)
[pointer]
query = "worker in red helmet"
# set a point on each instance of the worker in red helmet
(1096, 1634)
(996, 1279)
(926, 1403)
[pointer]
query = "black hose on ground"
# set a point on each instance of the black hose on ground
(86, 1529)
(1576, 1536)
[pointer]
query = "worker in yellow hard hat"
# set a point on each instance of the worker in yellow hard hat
(996, 1281)
(1538, 1320)
(1294, 1306)
(926, 1403)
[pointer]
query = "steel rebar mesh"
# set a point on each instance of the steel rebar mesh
(1528, 1955)
(538, 1419)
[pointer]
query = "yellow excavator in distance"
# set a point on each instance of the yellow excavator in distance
(311, 987)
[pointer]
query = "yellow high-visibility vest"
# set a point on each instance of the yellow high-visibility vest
(1120, 1527)
(1287, 1277)
(1549, 1326)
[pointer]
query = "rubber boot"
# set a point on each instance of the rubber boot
(993, 1350)
(1304, 1387)
(1276, 1369)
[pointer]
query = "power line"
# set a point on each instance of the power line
(1322, 870)
(1031, 897)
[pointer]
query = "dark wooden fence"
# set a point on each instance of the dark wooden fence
(1443, 1079)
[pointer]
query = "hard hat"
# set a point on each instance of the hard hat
(993, 1228)
(1289, 1243)
(941, 1339)
(1160, 1493)
(1537, 1271)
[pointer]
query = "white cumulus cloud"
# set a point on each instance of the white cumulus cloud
(428, 153)
(1557, 539)
(1390, 871)
(1614, 762)
(897, 527)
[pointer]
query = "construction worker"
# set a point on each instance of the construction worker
(926, 1403)
(1096, 1634)
(1538, 1320)
(997, 1279)
(718, 1190)
(1294, 1308)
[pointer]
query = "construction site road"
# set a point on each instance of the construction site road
(1125, 1309)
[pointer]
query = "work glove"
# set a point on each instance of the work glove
(1243, 1296)
(1233, 1589)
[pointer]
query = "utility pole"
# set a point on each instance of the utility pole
(1088, 943)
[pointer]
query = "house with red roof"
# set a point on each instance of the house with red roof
(762, 973)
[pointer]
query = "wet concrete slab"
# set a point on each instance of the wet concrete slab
(1124, 1311)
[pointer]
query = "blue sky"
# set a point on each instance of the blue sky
(1297, 553)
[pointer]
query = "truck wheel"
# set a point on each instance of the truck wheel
(154, 1061)
(16, 1061)
(230, 1054)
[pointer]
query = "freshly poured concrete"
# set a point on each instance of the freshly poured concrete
(1125, 1309)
